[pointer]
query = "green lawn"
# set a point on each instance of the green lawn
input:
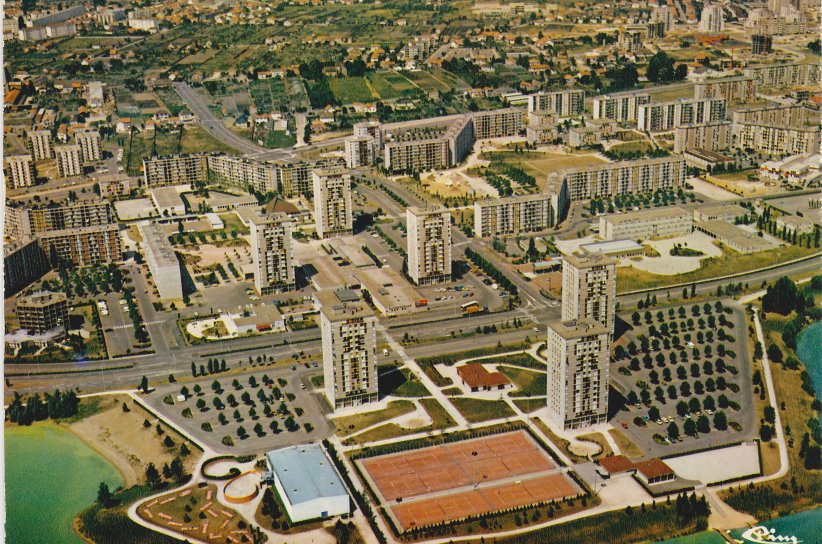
(730, 262)
(400, 382)
(477, 411)
(439, 416)
(528, 383)
(351, 424)
(348, 90)
(525, 360)
(529, 405)
(233, 222)
(391, 85)
(279, 139)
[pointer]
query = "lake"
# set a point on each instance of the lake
(809, 350)
(51, 475)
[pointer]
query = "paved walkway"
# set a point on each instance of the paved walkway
(412, 365)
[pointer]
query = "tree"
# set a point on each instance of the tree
(144, 385)
(653, 413)
(783, 297)
(105, 498)
(703, 425)
(765, 433)
(690, 427)
(770, 415)
(153, 476)
(661, 68)
(673, 431)
(775, 354)
(720, 421)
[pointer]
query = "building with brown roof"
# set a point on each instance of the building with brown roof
(477, 378)
(654, 471)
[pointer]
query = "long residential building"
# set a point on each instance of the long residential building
(612, 179)
(67, 216)
(429, 244)
(564, 103)
(19, 171)
(427, 144)
(775, 140)
(714, 136)
(23, 262)
(664, 116)
(43, 312)
(735, 89)
(162, 262)
(83, 246)
(785, 76)
(578, 373)
(295, 179)
(333, 214)
(260, 176)
(620, 106)
(272, 250)
(175, 170)
(349, 340)
(513, 215)
(646, 224)
(498, 123)
(791, 115)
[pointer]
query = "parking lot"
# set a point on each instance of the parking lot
(250, 411)
(683, 370)
(117, 326)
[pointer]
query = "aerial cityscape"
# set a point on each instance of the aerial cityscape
(412, 271)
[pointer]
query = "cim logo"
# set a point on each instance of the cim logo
(763, 535)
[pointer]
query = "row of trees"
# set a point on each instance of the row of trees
(491, 270)
(58, 405)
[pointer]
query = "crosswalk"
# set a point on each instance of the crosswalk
(147, 323)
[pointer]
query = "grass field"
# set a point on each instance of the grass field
(194, 140)
(627, 147)
(559, 443)
(348, 90)
(629, 449)
(350, 424)
(529, 405)
(439, 416)
(731, 262)
(477, 411)
(390, 85)
(528, 383)
(279, 139)
(539, 164)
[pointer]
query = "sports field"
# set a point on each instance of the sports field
(453, 481)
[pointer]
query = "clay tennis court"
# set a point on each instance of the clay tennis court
(451, 466)
(473, 502)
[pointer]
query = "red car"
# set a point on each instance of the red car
(624, 425)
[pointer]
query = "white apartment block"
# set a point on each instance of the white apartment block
(19, 171)
(646, 224)
(260, 176)
(429, 244)
(370, 128)
(427, 144)
(565, 103)
(333, 214)
(773, 76)
(714, 136)
(359, 151)
(272, 250)
(664, 116)
(787, 21)
(712, 18)
(69, 160)
(175, 170)
(619, 106)
(623, 177)
(162, 261)
(589, 289)
(40, 144)
(578, 373)
(498, 123)
(734, 90)
(512, 215)
(775, 140)
(89, 142)
(349, 340)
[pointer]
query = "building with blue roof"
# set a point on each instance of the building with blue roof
(308, 483)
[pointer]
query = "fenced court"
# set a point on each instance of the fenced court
(492, 498)
(453, 481)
